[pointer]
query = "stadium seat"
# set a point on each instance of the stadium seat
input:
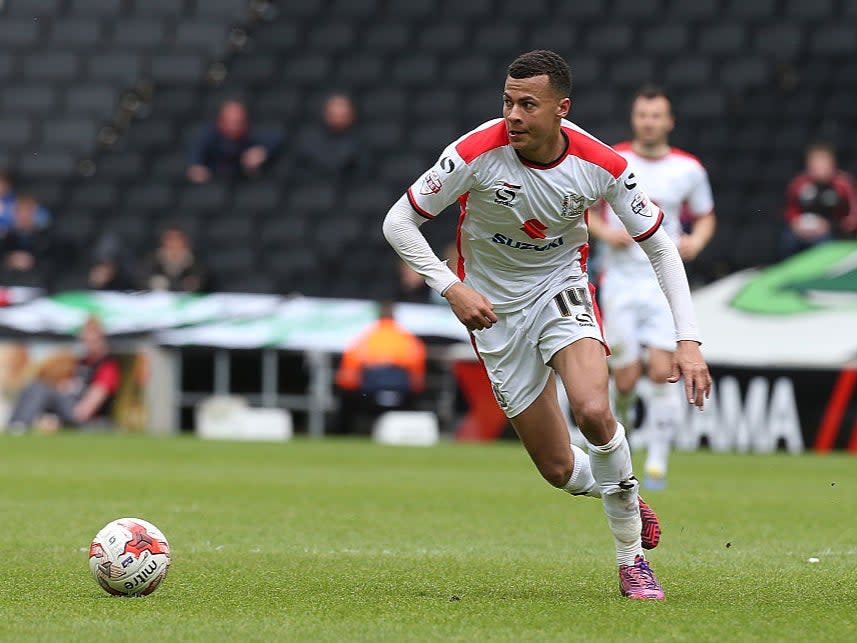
(387, 36)
(177, 68)
(255, 70)
(122, 68)
(815, 10)
(698, 10)
(257, 197)
(94, 8)
(628, 73)
(558, 36)
(779, 41)
(206, 37)
(19, 33)
(207, 196)
(760, 9)
(351, 9)
(744, 72)
(32, 8)
(78, 33)
(54, 67)
(28, 99)
(706, 103)
(93, 195)
(581, 9)
(169, 166)
(98, 101)
(278, 37)
(615, 38)
(234, 10)
(384, 136)
(637, 9)
(467, 70)
(688, 71)
(443, 37)
(361, 70)
(381, 102)
(722, 38)
(15, 132)
(78, 135)
(834, 40)
(414, 9)
(472, 9)
(304, 8)
(47, 164)
(307, 69)
(331, 37)
(666, 39)
(414, 70)
(503, 39)
(139, 33)
(120, 165)
(160, 8)
(154, 195)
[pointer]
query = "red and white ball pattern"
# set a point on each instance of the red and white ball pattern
(129, 557)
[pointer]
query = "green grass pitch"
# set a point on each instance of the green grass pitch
(345, 540)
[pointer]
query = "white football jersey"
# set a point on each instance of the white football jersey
(522, 229)
(675, 182)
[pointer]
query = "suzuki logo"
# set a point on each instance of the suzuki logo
(534, 229)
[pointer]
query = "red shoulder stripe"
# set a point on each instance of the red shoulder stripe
(680, 152)
(648, 233)
(481, 141)
(587, 148)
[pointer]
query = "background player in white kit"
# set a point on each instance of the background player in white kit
(524, 183)
(636, 315)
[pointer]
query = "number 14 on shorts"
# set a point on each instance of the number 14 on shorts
(570, 301)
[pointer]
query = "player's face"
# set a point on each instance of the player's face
(532, 111)
(651, 120)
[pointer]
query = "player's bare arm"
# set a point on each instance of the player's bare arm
(614, 237)
(690, 245)
(472, 308)
(690, 364)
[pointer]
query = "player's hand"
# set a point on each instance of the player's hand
(472, 308)
(689, 363)
(198, 174)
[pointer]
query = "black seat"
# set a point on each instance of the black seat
(414, 9)
(154, 195)
(667, 39)
(763, 9)
(52, 67)
(235, 10)
(77, 135)
(781, 41)
(502, 39)
(229, 230)
(414, 70)
(443, 37)
(98, 101)
(815, 10)
(94, 195)
(308, 68)
(331, 37)
(206, 37)
(637, 9)
(207, 196)
(361, 70)
(94, 8)
(78, 33)
(121, 68)
(15, 132)
(47, 164)
(122, 165)
(139, 33)
(19, 33)
(177, 68)
(280, 36)
(744, 72)
(255, 69)
(468, 69)
(698, 10)
(688, 71)
(612, 38)
(387, 36)
(704, 103)
(264, 196)
(354, 8)
(29, 99)
(834, 40)
(629, 73)
(32, 8)
(383, 102)
(722, 38)
(160, 8)
(580, 9)
(557, 36)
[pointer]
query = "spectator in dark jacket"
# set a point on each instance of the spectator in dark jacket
(174, 266)
(25, 246)
(333, 148)
(821, 202)
(230, 149)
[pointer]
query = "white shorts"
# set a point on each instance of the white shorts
(636, 315)
(517, 349)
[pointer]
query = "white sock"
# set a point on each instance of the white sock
(664, 414)
(581, 482)
(612, 470)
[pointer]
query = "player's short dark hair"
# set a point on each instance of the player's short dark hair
(653, 91)
(542, 62)
(821, 146)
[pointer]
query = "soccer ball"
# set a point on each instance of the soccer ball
(129, 557)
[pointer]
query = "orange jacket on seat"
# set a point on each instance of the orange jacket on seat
(385, 344)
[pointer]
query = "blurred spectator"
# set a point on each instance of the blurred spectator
(382, 370)
(7, 202)
(108, 270)
(174, 266)
(25, 246)
(76, 390)
(332, 148)
(821, 203)
(230, 149)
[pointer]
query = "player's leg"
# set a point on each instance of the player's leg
(544, 434)
(582, 366)
(621, 314)
(625, 380)
(664, 412)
